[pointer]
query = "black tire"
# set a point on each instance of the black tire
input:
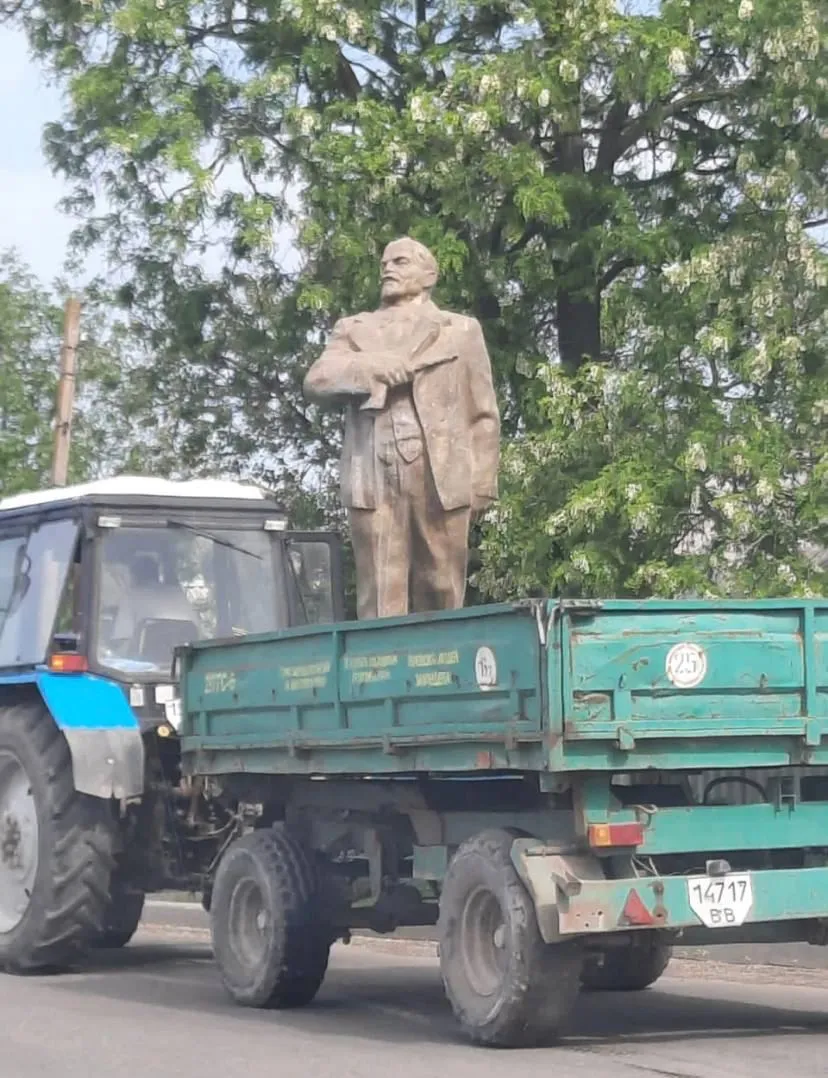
(123, 915)
(627, 969)
(270, 940)
(66, 892)
(506, 986)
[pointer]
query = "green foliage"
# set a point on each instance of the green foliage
(31, 323)
(626, 199)
(29, 328)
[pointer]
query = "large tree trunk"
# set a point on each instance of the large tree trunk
(579, 328)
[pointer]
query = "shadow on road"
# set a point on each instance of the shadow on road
(400, 1000)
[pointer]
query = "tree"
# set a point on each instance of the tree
(560, 158)
(31, 321)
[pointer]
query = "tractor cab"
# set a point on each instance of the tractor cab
(112, 576)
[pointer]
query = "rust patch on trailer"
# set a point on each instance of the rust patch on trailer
(484, 760)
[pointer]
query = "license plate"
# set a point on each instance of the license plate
(721, 901)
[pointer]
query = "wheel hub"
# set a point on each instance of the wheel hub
(18, 842)
(248, 922)
(484, 938)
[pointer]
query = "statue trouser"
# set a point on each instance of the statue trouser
(411, 554)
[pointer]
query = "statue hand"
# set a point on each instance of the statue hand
(394, 374)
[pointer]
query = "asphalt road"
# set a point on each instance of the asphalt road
(157, 1010)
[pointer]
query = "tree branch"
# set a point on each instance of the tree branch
(611, 273)
(610, 140)
(656, 116)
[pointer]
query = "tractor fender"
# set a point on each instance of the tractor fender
(101, 729)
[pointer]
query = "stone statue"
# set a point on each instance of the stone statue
(422, 437)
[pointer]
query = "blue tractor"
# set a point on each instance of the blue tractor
(99, 584)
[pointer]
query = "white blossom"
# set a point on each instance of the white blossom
(306, 122)
(764, 492)
(417, 109)
(353, 23)
(760, 363)
(544, 97)
(477, 122)
(774, 48)
(677, 62)
(280, 81)
(568, 71)
(580, 562)
(786, 573)
(489, 83)
(557, 523)
(643, 518)
(328, 32)
(696, 457)
(727, 507)
(745, 9)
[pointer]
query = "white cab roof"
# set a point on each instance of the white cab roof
(134, 486)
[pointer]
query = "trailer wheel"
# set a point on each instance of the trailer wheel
(270, 942)
(507, 987)
(55, 848)
(627, 969)
(123, 915)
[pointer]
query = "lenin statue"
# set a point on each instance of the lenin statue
(422, 433)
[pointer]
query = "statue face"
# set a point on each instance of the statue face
(403, 275)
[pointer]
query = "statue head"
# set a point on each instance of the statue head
(408, 271)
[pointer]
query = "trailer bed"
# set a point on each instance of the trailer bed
(531, 686)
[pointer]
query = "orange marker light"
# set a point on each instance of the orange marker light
(68, 663)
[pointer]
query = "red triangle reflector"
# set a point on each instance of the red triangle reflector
(635, 912)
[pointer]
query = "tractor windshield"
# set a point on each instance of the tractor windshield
(159, 588)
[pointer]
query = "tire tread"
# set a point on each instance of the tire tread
(540, 999)
(81, 857)
(298, 968)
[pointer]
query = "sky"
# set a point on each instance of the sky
(30, 220)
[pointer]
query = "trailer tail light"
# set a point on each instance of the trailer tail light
(68, 663)
(606, 835)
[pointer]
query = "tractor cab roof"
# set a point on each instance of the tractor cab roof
(132, 491)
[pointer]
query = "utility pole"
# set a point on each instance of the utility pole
(66, 392)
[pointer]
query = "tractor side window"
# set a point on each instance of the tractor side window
(37, 566)
(68, 617)
(11, 552)
(309, 569)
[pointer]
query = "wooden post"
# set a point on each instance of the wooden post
(66, 392)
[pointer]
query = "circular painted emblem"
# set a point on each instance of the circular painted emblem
(686, 665)
(485, 668)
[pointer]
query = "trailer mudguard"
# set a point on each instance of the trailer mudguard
(101, 729)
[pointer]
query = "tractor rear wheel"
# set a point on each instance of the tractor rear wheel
(55, 848)
(123, 915)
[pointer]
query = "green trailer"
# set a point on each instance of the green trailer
(565, 790)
